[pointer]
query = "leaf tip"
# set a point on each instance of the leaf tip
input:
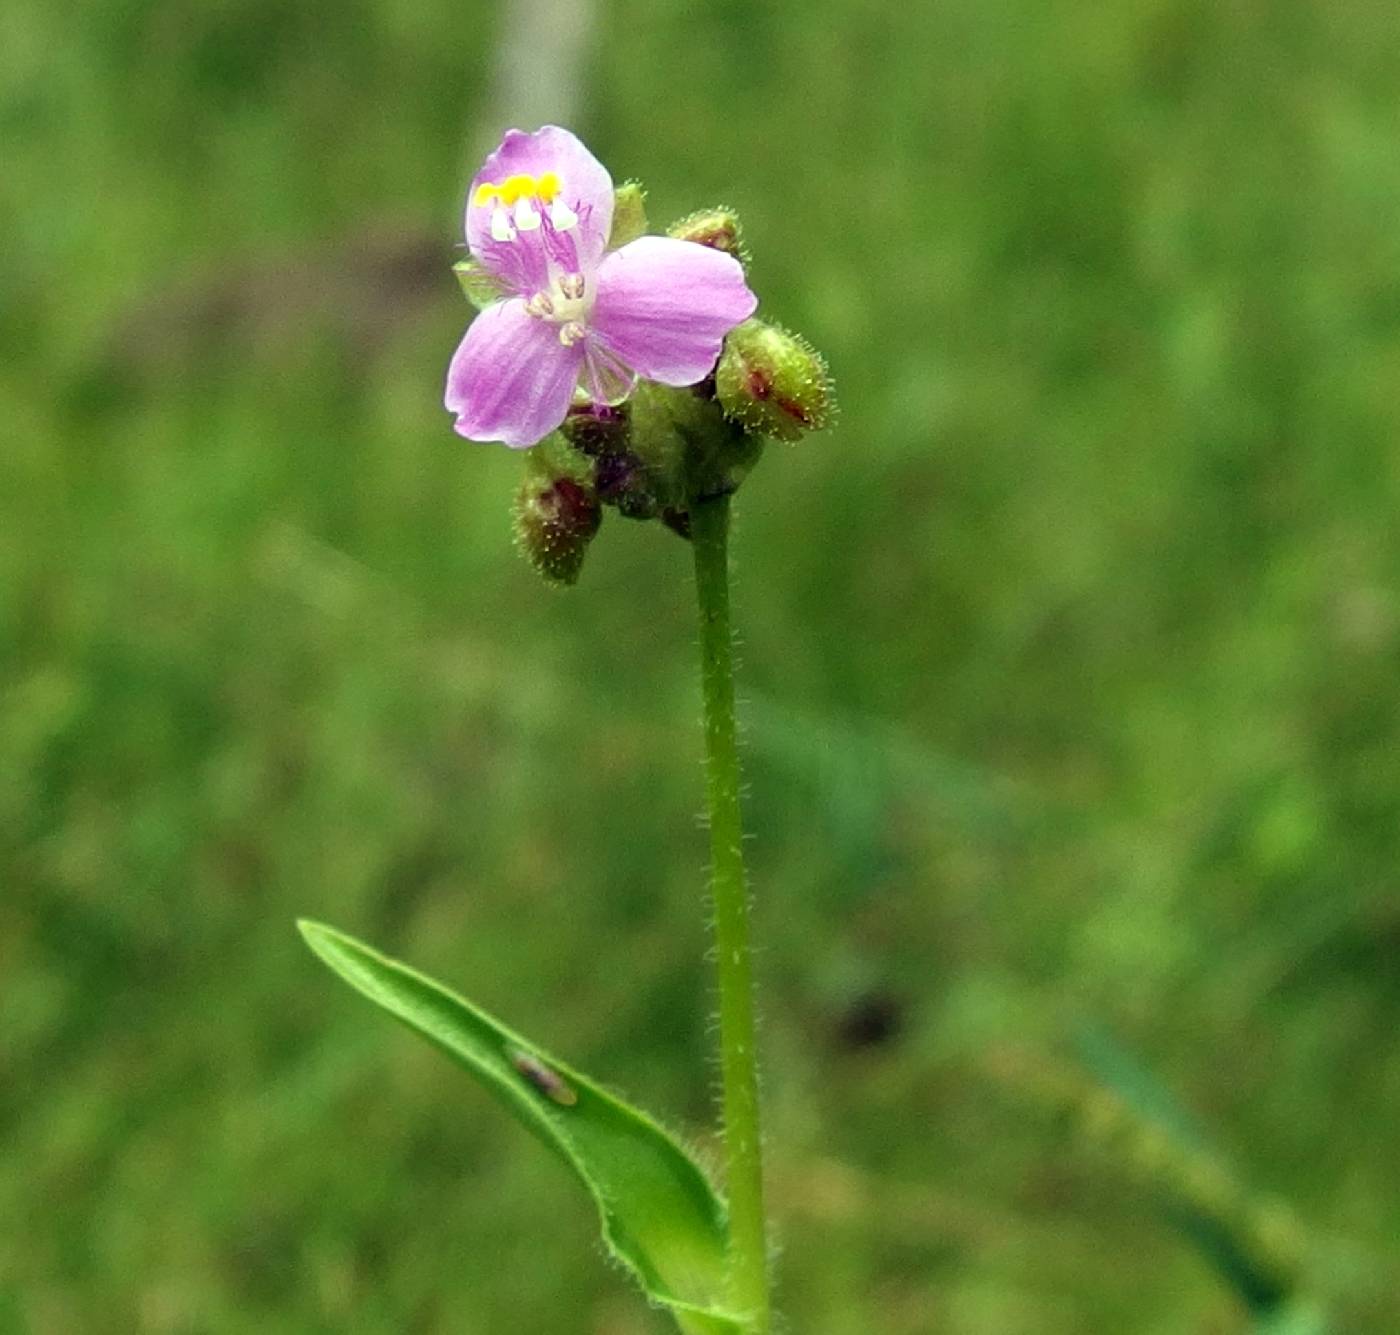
(317, 935)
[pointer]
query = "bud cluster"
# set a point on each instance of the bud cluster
(664, 449)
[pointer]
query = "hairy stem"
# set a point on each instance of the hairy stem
(742, 1136)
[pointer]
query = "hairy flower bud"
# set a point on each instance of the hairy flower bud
(556, 515)
(716, 228)
(629, 220)
(773, 383)
(596, 429)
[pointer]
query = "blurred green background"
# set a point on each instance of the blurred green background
(1070, 658)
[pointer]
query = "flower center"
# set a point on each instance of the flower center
(515, 204)
(531, 215)
(566, 303)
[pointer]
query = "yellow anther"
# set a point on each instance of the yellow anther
(516, 187)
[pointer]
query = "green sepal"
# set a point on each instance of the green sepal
(691, 449)
(558, 456)
(660, 1215)
(478, 286)
(629, 220)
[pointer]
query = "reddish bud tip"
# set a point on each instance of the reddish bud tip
(555, 520)
(773, 383)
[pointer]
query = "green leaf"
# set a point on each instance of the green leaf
(1205, 1201)
(660, 1215)
(1296, 1319)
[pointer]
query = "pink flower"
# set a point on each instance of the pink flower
(578, 316)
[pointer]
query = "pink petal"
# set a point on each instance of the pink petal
(511, 379)
(606, 378)
(584, 185)
(664, 307)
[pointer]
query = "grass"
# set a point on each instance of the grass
(1070, 657)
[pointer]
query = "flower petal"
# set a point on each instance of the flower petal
(664, 306)
(511, 378)
(606, 379)
(584, 186)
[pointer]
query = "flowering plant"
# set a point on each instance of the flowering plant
(632, 365)
(630, 370)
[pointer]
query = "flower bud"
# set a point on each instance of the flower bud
(773, 383)
(717, 228)
(629, 220)
(594, 429)
(620, 478)
(556, 516)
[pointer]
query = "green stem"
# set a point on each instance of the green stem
(748, 1257)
